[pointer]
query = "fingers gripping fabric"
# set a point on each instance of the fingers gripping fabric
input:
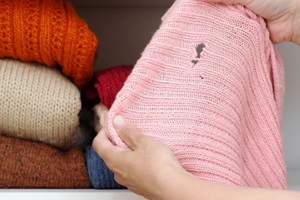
(210, 85)
(49, 32)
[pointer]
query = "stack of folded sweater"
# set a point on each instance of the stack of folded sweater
(47, 54)
(103, 90)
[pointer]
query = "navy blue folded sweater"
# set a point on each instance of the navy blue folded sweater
(100, 176)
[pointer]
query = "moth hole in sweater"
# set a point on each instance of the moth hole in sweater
(199, 48)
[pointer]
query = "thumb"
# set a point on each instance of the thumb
(127, 132)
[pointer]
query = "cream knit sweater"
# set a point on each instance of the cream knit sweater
(38, 103)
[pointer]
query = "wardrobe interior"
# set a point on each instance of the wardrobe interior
(123, 28)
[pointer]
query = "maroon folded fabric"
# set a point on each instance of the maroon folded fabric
(109, 82)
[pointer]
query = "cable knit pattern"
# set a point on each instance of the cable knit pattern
(38, 103)
(210, 85)
(48, 32)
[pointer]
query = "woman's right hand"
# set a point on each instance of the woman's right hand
(282, 17)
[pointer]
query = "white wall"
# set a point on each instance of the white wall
(291, 119)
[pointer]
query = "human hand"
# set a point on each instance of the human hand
(147, 167)
(282, 17)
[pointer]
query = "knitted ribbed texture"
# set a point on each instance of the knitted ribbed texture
(108, 82)
(210, 85)
(100, 176)
(38, 103)
(27, 164)
(49, 32)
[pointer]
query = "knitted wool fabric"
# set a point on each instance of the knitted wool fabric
(210, 85)
(27, 164)
(108, 82)
(48, 32)
(38, 103)
(100, 176)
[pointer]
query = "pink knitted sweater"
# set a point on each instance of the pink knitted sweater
(210, 85)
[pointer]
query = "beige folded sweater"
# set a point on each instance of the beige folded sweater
(38, 103)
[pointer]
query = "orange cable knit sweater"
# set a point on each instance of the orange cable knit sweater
(48, 32)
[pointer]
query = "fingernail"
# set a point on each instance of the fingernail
(118, 121)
